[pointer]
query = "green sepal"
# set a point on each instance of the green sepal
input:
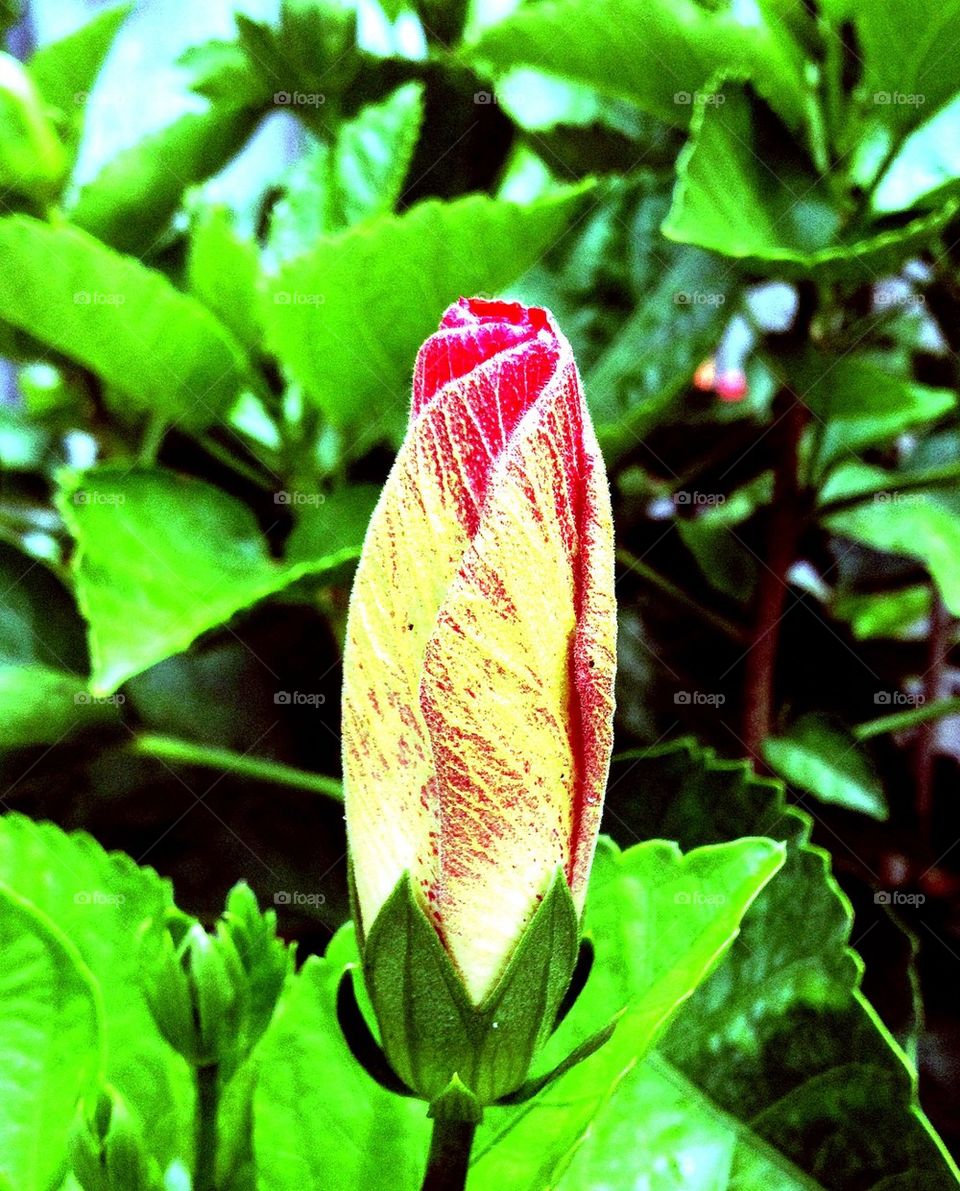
(531, 1087)
(456, 1104)
(359, 1038)
(432, 1031)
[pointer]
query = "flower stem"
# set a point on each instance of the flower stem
(449, 1155)
(208, 1100)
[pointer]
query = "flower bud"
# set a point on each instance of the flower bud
(480, 648)
(212, 995)
(107, 1149)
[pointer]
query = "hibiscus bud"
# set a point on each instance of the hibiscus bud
(480, 645)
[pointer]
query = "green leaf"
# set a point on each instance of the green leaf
(660, 921)
(162, 558)
(773, 212)
(50, 1043)
(130, 202)
(901, 615)
(777, 1068)
(655, 353)
(125, 322)
(360, 176)
(39, 705)
(921, 525)
(863, 406)
(659, 53)
(927, 166)
(66, 70)
(99, 900)
(316, 1110)
(347, 318)
(906, 76)
(824, 759)
(223, 271)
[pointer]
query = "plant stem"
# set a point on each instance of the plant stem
(783, 532)
(208, 1099)
(625, 558)
(449, 1155)
(941, 623)
(187, 752)
(899, 720)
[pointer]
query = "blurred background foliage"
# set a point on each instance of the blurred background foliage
(224, 231)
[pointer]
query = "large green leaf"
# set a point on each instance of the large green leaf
(43, 658)
(99, 900)
(162, 349)
(743, 193)
(907, 67)
(359, 176)
(40, 705)
(50, 1043)
(821, 758)
(223, 270)
(922, 525)
(347, 318)
(162, 558)
(66, 70)
(659, 921)
(130, 201)
(306, 1138)
(655, 353)
(658, 53)
(777, 1073)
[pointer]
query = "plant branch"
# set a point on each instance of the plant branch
(785, 517)
(628, 560)
(939, 645)
(899, 721)
(187, 752)
(449, 1157)
(208, 1100)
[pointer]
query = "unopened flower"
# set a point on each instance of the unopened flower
(480, 651)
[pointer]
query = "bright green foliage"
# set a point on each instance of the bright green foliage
(50, 1042)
